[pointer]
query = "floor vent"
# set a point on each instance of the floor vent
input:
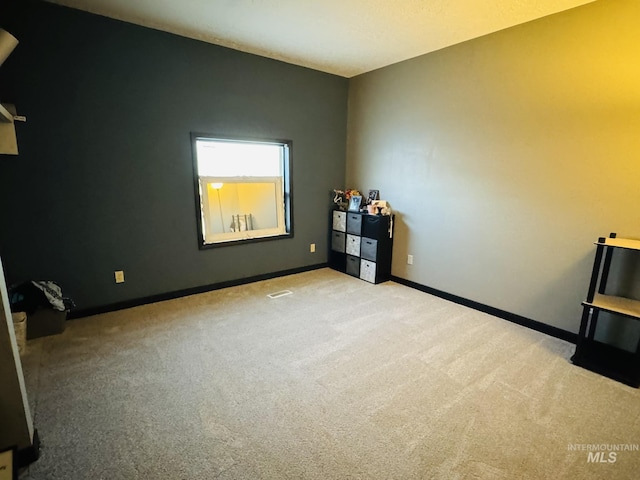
(280, 294)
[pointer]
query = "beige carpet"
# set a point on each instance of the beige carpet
(341, 379)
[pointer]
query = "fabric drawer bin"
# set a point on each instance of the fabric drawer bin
(369, 248)
(353, 265)
(353, 245)
(374, 226)
(368, 271)
(337, 241)
(354, 223)
(340, 221)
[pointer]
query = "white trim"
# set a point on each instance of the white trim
(14, 370)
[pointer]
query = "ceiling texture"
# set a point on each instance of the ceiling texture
(342, 37)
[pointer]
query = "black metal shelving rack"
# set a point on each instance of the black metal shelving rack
(591, 354)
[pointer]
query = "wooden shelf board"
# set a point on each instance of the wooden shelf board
(8, 141)
(627, 243)
(621, 305)
(5, 115)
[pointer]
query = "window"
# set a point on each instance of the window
(243, 189)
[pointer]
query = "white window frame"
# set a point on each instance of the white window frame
(282, 186)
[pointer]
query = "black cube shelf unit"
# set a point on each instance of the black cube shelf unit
(361, 245)
(591, 354)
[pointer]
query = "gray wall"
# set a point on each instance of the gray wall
(104, 178)
(507, 156)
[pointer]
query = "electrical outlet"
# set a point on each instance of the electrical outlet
(409, 259)
(312, 248)
(119, 274)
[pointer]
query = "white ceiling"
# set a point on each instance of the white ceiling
(343, 37)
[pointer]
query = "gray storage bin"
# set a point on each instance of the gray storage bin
(353, 265)
(337, 241)
(369, 249)
(354, 223)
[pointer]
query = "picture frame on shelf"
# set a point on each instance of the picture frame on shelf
(373, 195)
(354, 203)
